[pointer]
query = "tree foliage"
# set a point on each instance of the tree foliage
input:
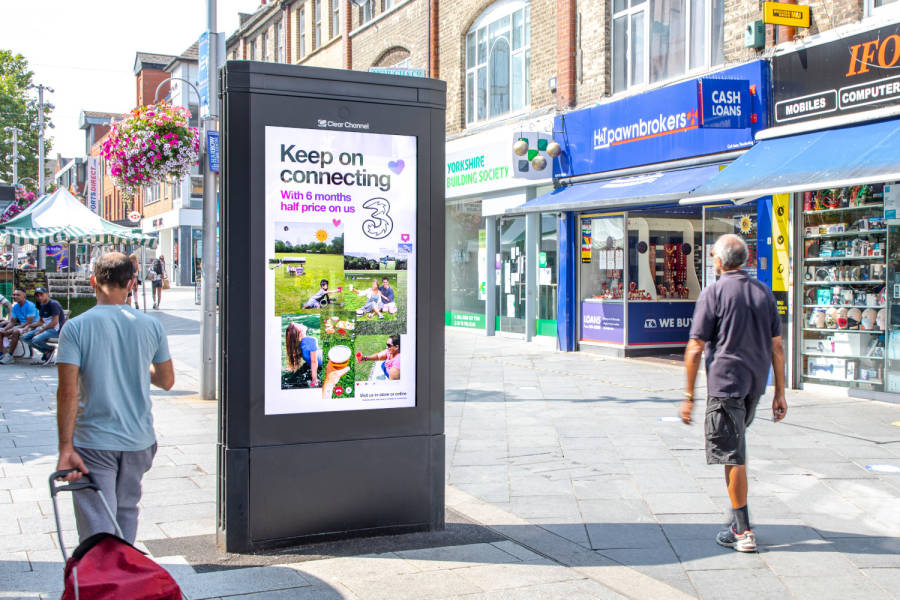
(336, 246)
(15, 76)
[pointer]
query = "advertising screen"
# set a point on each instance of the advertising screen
(340, 296)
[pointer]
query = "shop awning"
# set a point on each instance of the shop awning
(646, 188)
(822, 159)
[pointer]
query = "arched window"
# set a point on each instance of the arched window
(498, 61)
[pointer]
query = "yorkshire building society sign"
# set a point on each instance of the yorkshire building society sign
(483, 162)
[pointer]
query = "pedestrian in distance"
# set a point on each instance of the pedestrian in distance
(114, 353)
(736, 319)
(22, 315)
(51, 318)
(158, 270)
(133, 294)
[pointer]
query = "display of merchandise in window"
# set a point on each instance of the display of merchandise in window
(844, 276)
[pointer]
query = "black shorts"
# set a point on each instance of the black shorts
(726, 424)
(157, 283)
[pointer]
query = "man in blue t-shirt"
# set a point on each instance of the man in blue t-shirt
(107, 359)
(51, 317)
(387, 297)
(22, 315)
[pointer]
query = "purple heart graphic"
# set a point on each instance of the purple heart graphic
(396, 165)
(337, 222)
(404, 237)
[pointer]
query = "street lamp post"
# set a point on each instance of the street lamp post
(41, 88)
(42, 258)
(15, 157)
(208, 286)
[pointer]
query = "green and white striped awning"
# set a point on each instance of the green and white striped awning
(21, 236)
(112, 234)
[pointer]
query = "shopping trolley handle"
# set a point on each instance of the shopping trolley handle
(85, 483)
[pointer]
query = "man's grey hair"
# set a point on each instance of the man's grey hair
(731, 250)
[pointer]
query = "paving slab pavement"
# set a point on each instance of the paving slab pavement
(567, 478)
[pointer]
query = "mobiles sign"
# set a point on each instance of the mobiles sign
(853, 74)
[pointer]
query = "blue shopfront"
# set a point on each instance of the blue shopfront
(632, 258)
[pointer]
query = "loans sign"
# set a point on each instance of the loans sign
(725, 103)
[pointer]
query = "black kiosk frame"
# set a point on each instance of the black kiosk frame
(293, 478)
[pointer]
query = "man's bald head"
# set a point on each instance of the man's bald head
(732, 250)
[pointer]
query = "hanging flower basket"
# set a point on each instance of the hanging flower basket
(22, 201)
(154, 144)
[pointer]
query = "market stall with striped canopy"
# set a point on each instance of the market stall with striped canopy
(61, 218)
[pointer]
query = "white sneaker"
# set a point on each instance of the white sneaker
(742, 542)
(6, 358)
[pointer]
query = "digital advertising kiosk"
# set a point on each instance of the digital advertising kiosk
(332, 318)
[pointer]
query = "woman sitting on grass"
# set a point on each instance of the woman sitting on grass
(390, 355)
(302, 352)
(373, 302)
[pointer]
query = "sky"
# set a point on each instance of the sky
(305, 233)
(85, 49)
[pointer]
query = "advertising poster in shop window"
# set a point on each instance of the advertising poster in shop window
(340, 298)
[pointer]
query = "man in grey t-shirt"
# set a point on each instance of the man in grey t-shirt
(737, 320)
(107, 359)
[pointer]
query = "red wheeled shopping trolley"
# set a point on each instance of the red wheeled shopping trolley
(105, 566)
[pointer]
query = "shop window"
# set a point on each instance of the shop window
(301, 33)
(335, 18)
(657, 40)
(498, 62)
(279, 42)
(466, 263)
(664, 254)
(602, 256)
(740, 220)
(317, 24)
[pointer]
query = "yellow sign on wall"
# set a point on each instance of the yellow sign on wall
(780, 13)
(781, 264)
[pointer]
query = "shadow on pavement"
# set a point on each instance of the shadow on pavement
(470, 395)
(28, 579)
(176, 325)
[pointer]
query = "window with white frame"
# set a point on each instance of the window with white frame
(317, 23)
(252, 52)
(367, 12)
(335, 18)
(301, 33)
(264, 51)
(498, 61)
(877, 7)
(386, 5)
(279, 42)
(657, 40)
